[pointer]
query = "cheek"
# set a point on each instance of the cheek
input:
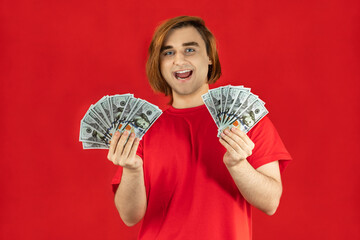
(164, 68)
(204, 64)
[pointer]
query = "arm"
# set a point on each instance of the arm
(130, 197)
(261, 187)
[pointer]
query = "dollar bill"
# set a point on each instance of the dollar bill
(103, 106)
(89, 134)
(118, 104)
(245, 104)
(113, 113)
(151, 123)
(240, 98)
(234, 106)
(99, 116)
(135, 109)
(215, 95)
(249, 117)
(129, 115)
(142, 119)
(92, 120)
(230, 100)
(243, 88)
(231, 97)
(211, 107)
(129, 106)
(92, 145)
(100, 112)
(224, 96)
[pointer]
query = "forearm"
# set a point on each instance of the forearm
(130, 197)
(261, 191)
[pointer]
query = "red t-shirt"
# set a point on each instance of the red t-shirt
(190, 193)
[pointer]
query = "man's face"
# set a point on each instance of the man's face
(184, 61)
(248, 120)
(142, 123)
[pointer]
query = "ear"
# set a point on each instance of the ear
(210, 62)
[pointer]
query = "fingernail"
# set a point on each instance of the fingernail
(226, 131)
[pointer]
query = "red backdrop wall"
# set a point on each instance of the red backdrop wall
(58, 57)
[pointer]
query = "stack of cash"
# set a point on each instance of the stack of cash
(234, 106)
(116, 113)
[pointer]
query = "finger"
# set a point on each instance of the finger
(121, 143)
(244, 137)
(113, 143)
(234, 154)
(125, 153)
(227, 147)
(231, 141)
(234, 136)
(241, 137)
(134, 148)
(237, 143)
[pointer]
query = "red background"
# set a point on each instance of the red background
(58, 57)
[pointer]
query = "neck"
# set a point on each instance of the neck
(189, 100)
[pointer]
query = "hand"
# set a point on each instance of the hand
(238, 145)
(124, 153)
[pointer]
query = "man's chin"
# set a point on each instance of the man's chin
(183, 93)
(188, 90)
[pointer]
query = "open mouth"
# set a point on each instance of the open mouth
(183, 74)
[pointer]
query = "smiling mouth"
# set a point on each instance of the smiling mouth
(182, 75)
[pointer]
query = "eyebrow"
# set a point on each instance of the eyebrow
(184, 45)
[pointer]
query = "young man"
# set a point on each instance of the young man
(182, 180)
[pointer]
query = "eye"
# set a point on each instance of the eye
(189, 50)
(168, 53)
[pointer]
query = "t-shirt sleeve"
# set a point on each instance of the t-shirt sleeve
(117, 177)
(268, 145)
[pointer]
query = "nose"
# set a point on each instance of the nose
(179, 59)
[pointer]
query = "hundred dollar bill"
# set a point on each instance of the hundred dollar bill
(151, 123)
(245, 104)
(240, 97)
(137, 106)
(132, 105)
(110, 109)
(249, 117)
(100, 112)
(210, 106)
(224, 95)
(243, 88)
(89, 134)
(99, 115)
(93, 120)
(231, 96)
(118, 103)
(92, 145)
(103, 106)
(112, 113)
(142, 119)
(215, 95)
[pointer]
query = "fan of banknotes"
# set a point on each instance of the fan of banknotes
(116, 113)
(234, 106)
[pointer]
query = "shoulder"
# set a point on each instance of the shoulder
(264, 128)
(269, 146)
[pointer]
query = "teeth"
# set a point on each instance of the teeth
(184, 71)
